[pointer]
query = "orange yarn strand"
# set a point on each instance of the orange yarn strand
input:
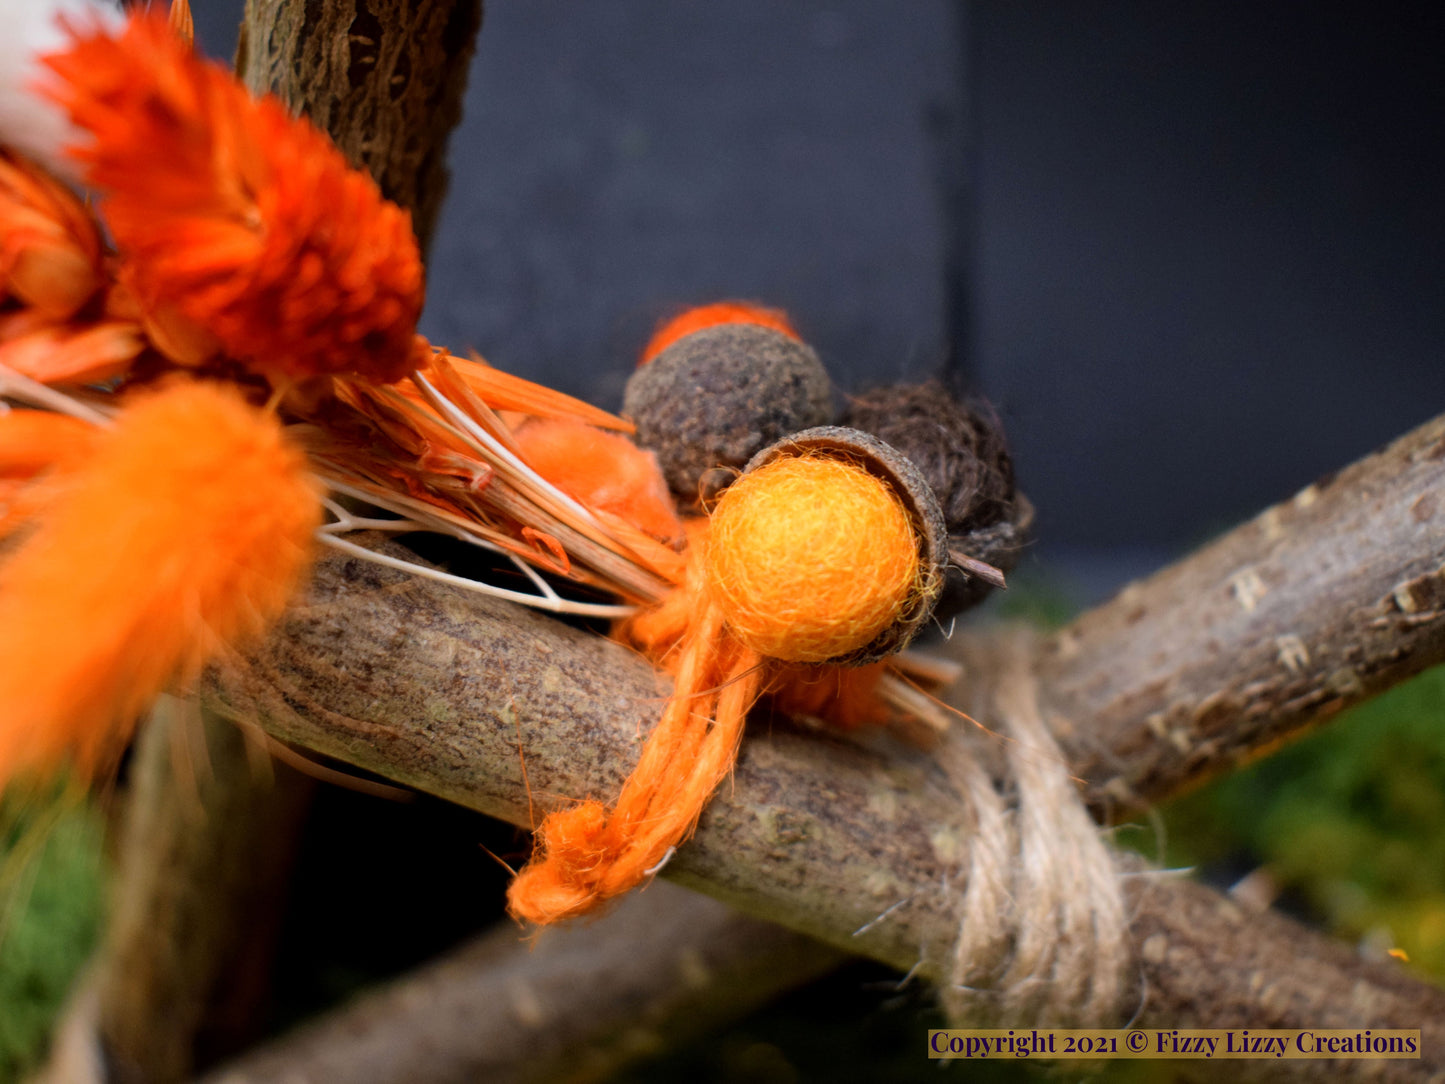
(587, 855)
(811, 562)
(705, 316)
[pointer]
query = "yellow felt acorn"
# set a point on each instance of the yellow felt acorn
(829, 548)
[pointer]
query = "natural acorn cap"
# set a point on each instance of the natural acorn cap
(715, 398)
(890, 466)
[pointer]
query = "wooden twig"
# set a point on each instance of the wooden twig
(1314, 605)
(384, 78)
(412, 682)
(209, 836)
(668, 965)
(664, 966)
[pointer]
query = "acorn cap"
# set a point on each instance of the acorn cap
(890, 466)
(714, 398)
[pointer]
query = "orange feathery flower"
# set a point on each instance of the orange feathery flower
(235, 218)
(49, 244)
(187, 530)
(32, 440)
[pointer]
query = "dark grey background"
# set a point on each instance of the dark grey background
(1206, 238)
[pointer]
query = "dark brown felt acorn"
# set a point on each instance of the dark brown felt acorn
(716, 386)
(959, 448)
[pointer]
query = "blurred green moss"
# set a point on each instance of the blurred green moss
(1035, 596)
(1348, 821)
(52, 875)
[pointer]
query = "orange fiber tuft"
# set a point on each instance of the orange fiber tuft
(185, 532)
(588, 854)
(705, 316)
(845, 696)
(603, 470)
(810, 558)
(233, 216)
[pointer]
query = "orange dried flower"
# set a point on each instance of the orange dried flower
(234, 217)
(49, 244)
(35, 445)
(73, 353)
(187, 530)
(32, 440)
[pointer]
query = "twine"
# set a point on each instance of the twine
(1043, 931)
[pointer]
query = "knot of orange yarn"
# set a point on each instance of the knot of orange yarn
(805, 559)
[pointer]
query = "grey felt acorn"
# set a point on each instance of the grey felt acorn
(715, 398)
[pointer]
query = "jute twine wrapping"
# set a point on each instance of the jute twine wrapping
(1043, 931)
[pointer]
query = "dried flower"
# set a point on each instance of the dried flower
(184, 532)
(49, 245)
(241, 229)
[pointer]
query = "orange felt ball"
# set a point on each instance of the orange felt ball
(810, 558)
(706, 316)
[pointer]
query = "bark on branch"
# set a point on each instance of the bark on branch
(1312, 606)
(384, 78)
(665, 966)
(211, 828)
(451, 693)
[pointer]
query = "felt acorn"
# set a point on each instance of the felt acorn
(833, 530)
(716, 385)
(959, 449)
(827, 550)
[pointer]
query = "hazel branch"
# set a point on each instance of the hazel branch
(667, 965)
(1314, 605)
(451, 695)
(850, 845)
(664, 966)
(210, 832)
